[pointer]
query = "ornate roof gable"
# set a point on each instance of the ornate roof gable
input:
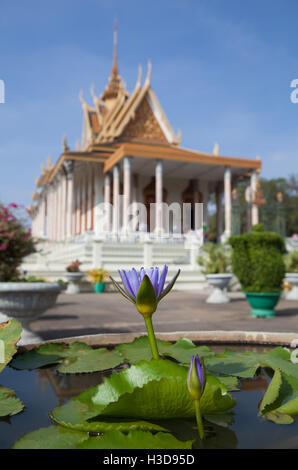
(140, 117)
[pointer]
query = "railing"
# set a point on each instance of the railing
(95, 252)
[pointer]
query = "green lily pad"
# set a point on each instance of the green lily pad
(10, 333)
(280, 402)
(9, 404)
(57, 437)
(272, 393)
(154, 390)
(139, 350)
(135, 440)
(279, 358)
(52, 437)
(234, 363)
(279, 418)
(184, 349)
(71, 358)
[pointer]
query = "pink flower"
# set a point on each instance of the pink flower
(12, 204)
(3, 246)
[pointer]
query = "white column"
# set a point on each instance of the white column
(55, 211)
(116, 187)
(158, 196)
(43, 215)
(228, 201)
(59, 209)
(254, 207)
(126, 190)
(52, 212)
(219, 221)
(90, 186)
(107, 202)
(63, 208)
(69, 206)
(49, 213)
(84, 209)
(205, 190)
(134, 195)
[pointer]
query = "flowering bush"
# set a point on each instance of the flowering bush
(74, 267)
(16, 242)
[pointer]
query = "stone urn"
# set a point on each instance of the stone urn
(25, 302)
(73, 279)
(220, 283)
(292, 278)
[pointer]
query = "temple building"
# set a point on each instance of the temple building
(129, 149)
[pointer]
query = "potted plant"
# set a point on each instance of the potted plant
(73, 276)
(98, 277)
(291, 261)
(216, 263)
(257, 261)
(22, 297)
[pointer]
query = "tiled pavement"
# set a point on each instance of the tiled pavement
(88, 313)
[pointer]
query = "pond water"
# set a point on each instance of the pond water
(44, 389)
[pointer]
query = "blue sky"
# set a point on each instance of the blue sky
(221, 69)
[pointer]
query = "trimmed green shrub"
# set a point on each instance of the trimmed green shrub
(257, 260)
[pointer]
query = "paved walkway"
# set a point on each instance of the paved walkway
(88, 313)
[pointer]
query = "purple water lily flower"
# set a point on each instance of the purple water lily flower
(146, 288)
(196, 379)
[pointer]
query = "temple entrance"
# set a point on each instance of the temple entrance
(191, 195)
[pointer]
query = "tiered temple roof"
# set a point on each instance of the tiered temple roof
(119, 122)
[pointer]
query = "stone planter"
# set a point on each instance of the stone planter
(292, 278)
(219, 282)
(73, 282)
(25, 302)
(262, 303)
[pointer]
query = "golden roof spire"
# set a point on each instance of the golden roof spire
(114, 85)
(115, 67)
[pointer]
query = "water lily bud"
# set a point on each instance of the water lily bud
(146, 300)
(196, 380)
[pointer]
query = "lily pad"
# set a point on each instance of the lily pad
(234, 363)
(10, 333)
(57, 437)
(52, 437)
(75, 357)
(154, 390)
(280, 402)
(272, 393)
(184, 349)
(135, 440)
(9, 404)
(139, 350)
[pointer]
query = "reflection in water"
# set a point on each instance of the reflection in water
(259, 382)
(67, 386)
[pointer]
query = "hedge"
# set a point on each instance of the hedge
(257, 260)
